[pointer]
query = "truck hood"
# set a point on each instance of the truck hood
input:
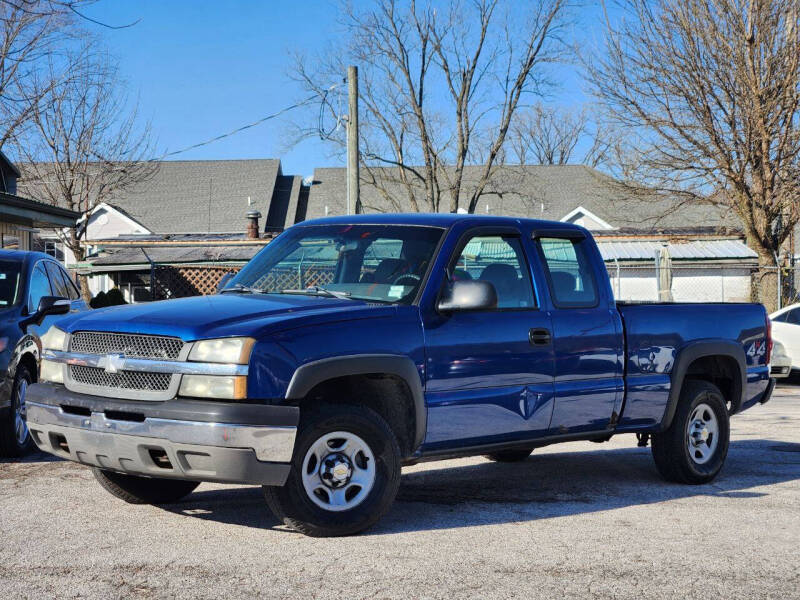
(204, 317)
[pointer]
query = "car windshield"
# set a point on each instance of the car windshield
(377, 263)
(9, 283)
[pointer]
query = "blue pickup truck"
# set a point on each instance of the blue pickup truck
(353, 345)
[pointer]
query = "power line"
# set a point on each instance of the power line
(305, 102)
(217, 138)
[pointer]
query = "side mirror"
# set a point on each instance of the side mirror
(467, 295)
(223, 281)
(53, 305)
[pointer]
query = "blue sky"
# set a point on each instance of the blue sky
(202, 68)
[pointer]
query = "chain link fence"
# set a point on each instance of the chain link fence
(729, 282)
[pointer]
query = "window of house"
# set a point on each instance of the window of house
(54, 249)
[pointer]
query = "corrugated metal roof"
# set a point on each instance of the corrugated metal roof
(691, 250)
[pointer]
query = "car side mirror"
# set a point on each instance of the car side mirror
(461, 296)
(53, 305)
(223, 281)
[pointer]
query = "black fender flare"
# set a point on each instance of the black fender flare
(313, 373)
(700, 349)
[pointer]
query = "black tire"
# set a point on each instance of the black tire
(10, 445)
(671, 451)
(143, 490)
(292, 505)
(510, 456)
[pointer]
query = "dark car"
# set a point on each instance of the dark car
(35, 291)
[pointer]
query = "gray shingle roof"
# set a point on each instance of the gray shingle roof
(200, 195)
(533, 191)
(195, 196)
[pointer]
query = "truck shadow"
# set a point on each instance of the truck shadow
(443, 496)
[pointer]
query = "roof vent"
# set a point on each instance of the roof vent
(252, 224)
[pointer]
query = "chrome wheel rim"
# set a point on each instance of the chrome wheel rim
(702, 434)
(338, 471)
(20, 413)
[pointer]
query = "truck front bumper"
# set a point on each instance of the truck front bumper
(196, 440)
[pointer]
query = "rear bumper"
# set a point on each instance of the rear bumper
(179, 439)
(768, 392)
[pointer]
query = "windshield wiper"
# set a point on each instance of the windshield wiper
(242, 288)
(316, 290)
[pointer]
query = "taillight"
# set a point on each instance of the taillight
(769, 340)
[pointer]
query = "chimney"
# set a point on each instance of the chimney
(252, 224)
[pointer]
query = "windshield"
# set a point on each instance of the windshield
(9, 283)
(378, 263)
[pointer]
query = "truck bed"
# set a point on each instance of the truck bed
(657, 333)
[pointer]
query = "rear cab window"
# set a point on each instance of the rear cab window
(570, 276)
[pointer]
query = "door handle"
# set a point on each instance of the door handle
(539, 337)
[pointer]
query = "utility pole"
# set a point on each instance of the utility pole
(353, 198)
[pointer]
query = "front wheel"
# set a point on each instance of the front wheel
(15, 439)
(143, 490)
(694, 447)
(345, 473)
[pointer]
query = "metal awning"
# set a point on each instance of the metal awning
(678, 250)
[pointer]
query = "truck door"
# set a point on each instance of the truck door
(489, 373)
(587, 333)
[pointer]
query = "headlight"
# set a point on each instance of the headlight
(227, 387)
(54, 339)
(225, 350)
(51, 372)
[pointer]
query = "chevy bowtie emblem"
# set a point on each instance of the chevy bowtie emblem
(112, 363)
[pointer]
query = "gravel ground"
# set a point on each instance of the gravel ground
(575, 520)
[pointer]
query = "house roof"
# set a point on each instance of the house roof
(199, 196)
(6, 162)
(159, 255)
(532, 191)
(196, 196)
(38, 213)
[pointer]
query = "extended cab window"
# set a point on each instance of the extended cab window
(569, 272)
(500, 261)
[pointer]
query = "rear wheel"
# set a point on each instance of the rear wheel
(15, 439)
(695, 446)
(509, 456)
(143, 490)
(345, 473)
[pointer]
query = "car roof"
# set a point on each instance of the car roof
(24, 255)
(436, 220)
(778, 313)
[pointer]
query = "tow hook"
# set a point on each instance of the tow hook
(642, 439)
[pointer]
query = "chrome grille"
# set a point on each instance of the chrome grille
(131, 345)
(126, 380)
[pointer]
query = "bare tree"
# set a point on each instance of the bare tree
(29, 33)
(85, 145)
(545, 135)
(708, 93)
(438, 90)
